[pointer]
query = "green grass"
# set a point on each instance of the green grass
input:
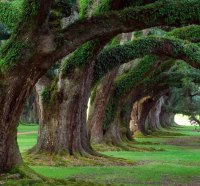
(178, 163)
(26, 141)
(27, 128)
(143, 174)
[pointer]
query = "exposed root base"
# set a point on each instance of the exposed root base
(46, 159)
(160, 133)
(23, 175)
(123, 146)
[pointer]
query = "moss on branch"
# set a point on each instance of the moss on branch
(10, 13)
(166, 46)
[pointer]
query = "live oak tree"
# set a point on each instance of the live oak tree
(70, 94)
(37, 43)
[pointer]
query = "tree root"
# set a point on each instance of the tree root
(24, 175)
(123, 146)
(47, 159)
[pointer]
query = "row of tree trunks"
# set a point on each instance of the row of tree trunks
(63, 128)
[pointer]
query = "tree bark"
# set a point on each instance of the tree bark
(125, 118)
(119, 129)
(63, 129)
(166, 119)
(112, 134)
(18, 79)
(98, 107)
(135, 114)
(12, 100)
(63, 123)
(153, 119)
(144, 106)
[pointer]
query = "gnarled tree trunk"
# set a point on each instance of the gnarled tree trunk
(63, 121)
(135, 115)
(63, 128)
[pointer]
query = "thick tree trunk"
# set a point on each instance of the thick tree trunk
(125, 118)
(12, 100)
(14, 92)
(63, 128)
(38, 90)
(98, 107)
(9, 150)
(119, 129)
(102, 95)
(112, 134)
(63, 122)
(144, 106)
(166, 118)
(153, 119)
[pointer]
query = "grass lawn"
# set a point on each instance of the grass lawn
(27, 136)
(177, 161)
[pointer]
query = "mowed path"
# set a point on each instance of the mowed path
(26, 133)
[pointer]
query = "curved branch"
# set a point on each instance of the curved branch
(162, 46)
(161, 13)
